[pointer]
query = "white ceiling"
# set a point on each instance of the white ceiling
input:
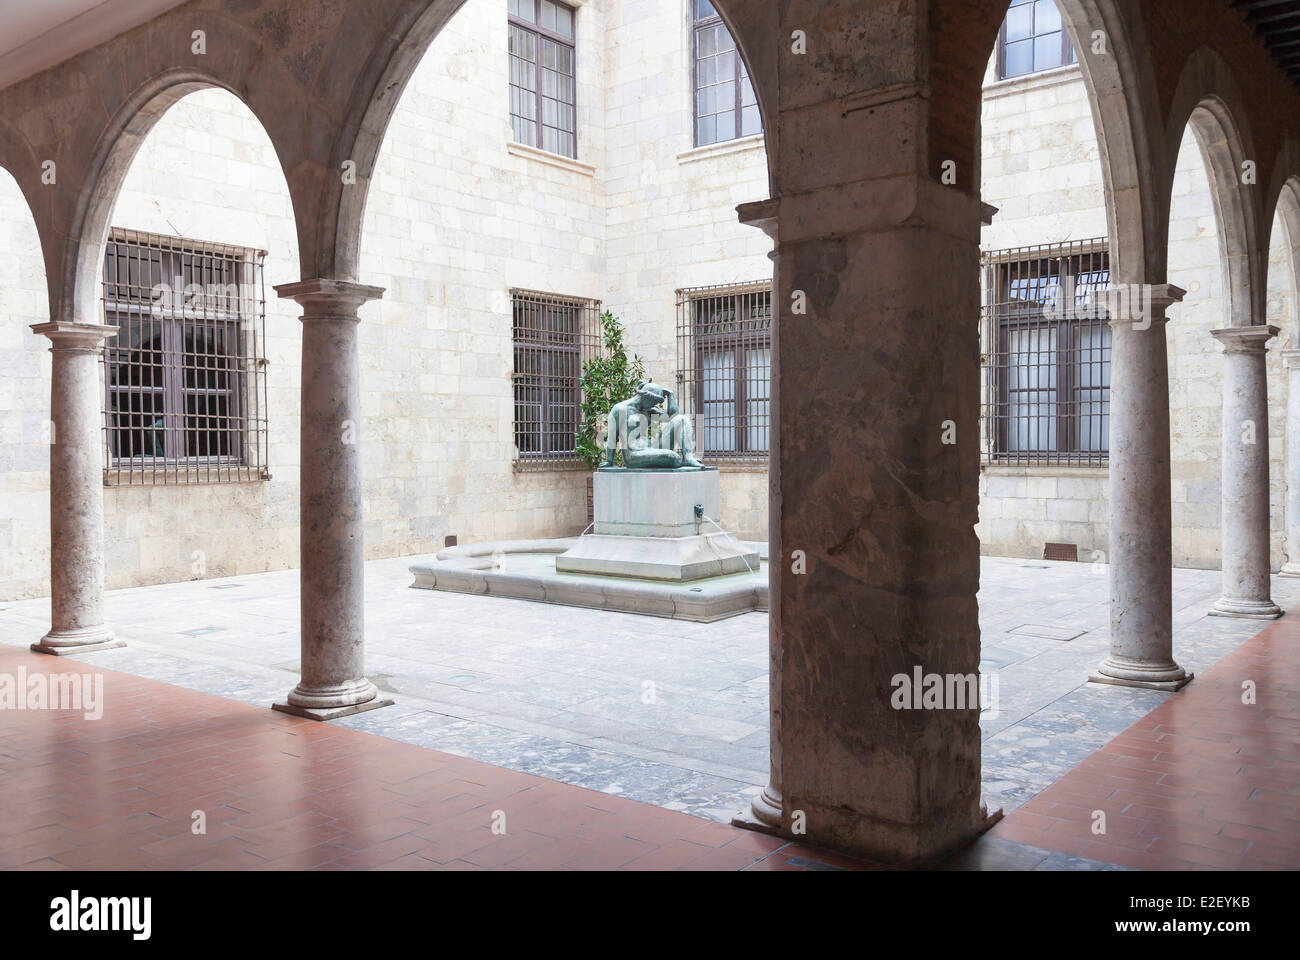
(35, 34)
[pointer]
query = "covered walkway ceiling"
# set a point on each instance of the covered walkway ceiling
(1278, 24)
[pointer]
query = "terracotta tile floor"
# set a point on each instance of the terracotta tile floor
(283, 793)
(1202, 782)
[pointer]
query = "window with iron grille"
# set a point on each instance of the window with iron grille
(553, 336)
(1033, 38)
(1046, 344)
(543, 91)
(725, 105)
(185, 373)
(724, 367)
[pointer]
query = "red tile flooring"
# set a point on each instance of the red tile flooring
(1202, 782)
(284, 793)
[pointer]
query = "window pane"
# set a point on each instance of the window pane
(718, 392)
(726, 128)
(758, 378)
(1031, 389)
(704, 9)
(1047, 17)
(706, 131)
(564, 21)
(1020, 23)
(548, 15)
(1047, 51)
(1019, 58)
(524, 9)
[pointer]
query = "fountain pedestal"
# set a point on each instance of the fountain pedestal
(658, 525)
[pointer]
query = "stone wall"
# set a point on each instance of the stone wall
(457, 216)
(671, 208)
(1042, 171)
(24, 403)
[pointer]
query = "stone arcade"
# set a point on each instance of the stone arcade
(874, 209)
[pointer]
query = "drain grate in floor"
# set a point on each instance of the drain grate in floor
(1047, 632)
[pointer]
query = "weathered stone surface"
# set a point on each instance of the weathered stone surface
(1246, 589)
(656, 503)
(519, 569)
(673, 559)
(76, 492)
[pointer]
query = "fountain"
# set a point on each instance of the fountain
(649, 549)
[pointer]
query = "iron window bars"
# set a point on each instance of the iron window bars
(725, 105)
(543, 91)
(1033, 38)
(185, 373)
(1046, 355)
(724, 368)
(553, 336)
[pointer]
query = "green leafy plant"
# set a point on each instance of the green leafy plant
(606, 380)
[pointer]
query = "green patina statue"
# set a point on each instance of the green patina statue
(630, 424)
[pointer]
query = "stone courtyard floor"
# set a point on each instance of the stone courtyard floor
(665, 712)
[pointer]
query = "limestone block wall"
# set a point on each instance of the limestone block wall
(208, 172)
(24, 403)
(1196, 369)
(457, 215)
(670, 208)
(1041, 168)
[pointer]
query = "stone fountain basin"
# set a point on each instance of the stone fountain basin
(525, 570)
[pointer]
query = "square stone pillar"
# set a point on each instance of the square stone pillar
(875, 564)
(332, 576)
(76, 491)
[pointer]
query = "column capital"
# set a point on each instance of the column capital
(323, 297)
(1140, 304)
(68, 337)
(761, 214)
(1253, 339)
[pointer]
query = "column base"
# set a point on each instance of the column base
(329, 713)
(1123, 672)
(332, 702)
(763, 815)
(1247, 609)
(60, 643)
(1289, 569)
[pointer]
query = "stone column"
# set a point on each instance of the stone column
(333, 682)
(1245, 526)
(76, 491)
(765, 812)
(1291, 360)
(1141, 545)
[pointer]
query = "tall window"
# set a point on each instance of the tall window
(725, 105)
(1033, 38)
(552, 337)
(543, 93)
(185, 388)
(1047, 354)
(724, 361)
